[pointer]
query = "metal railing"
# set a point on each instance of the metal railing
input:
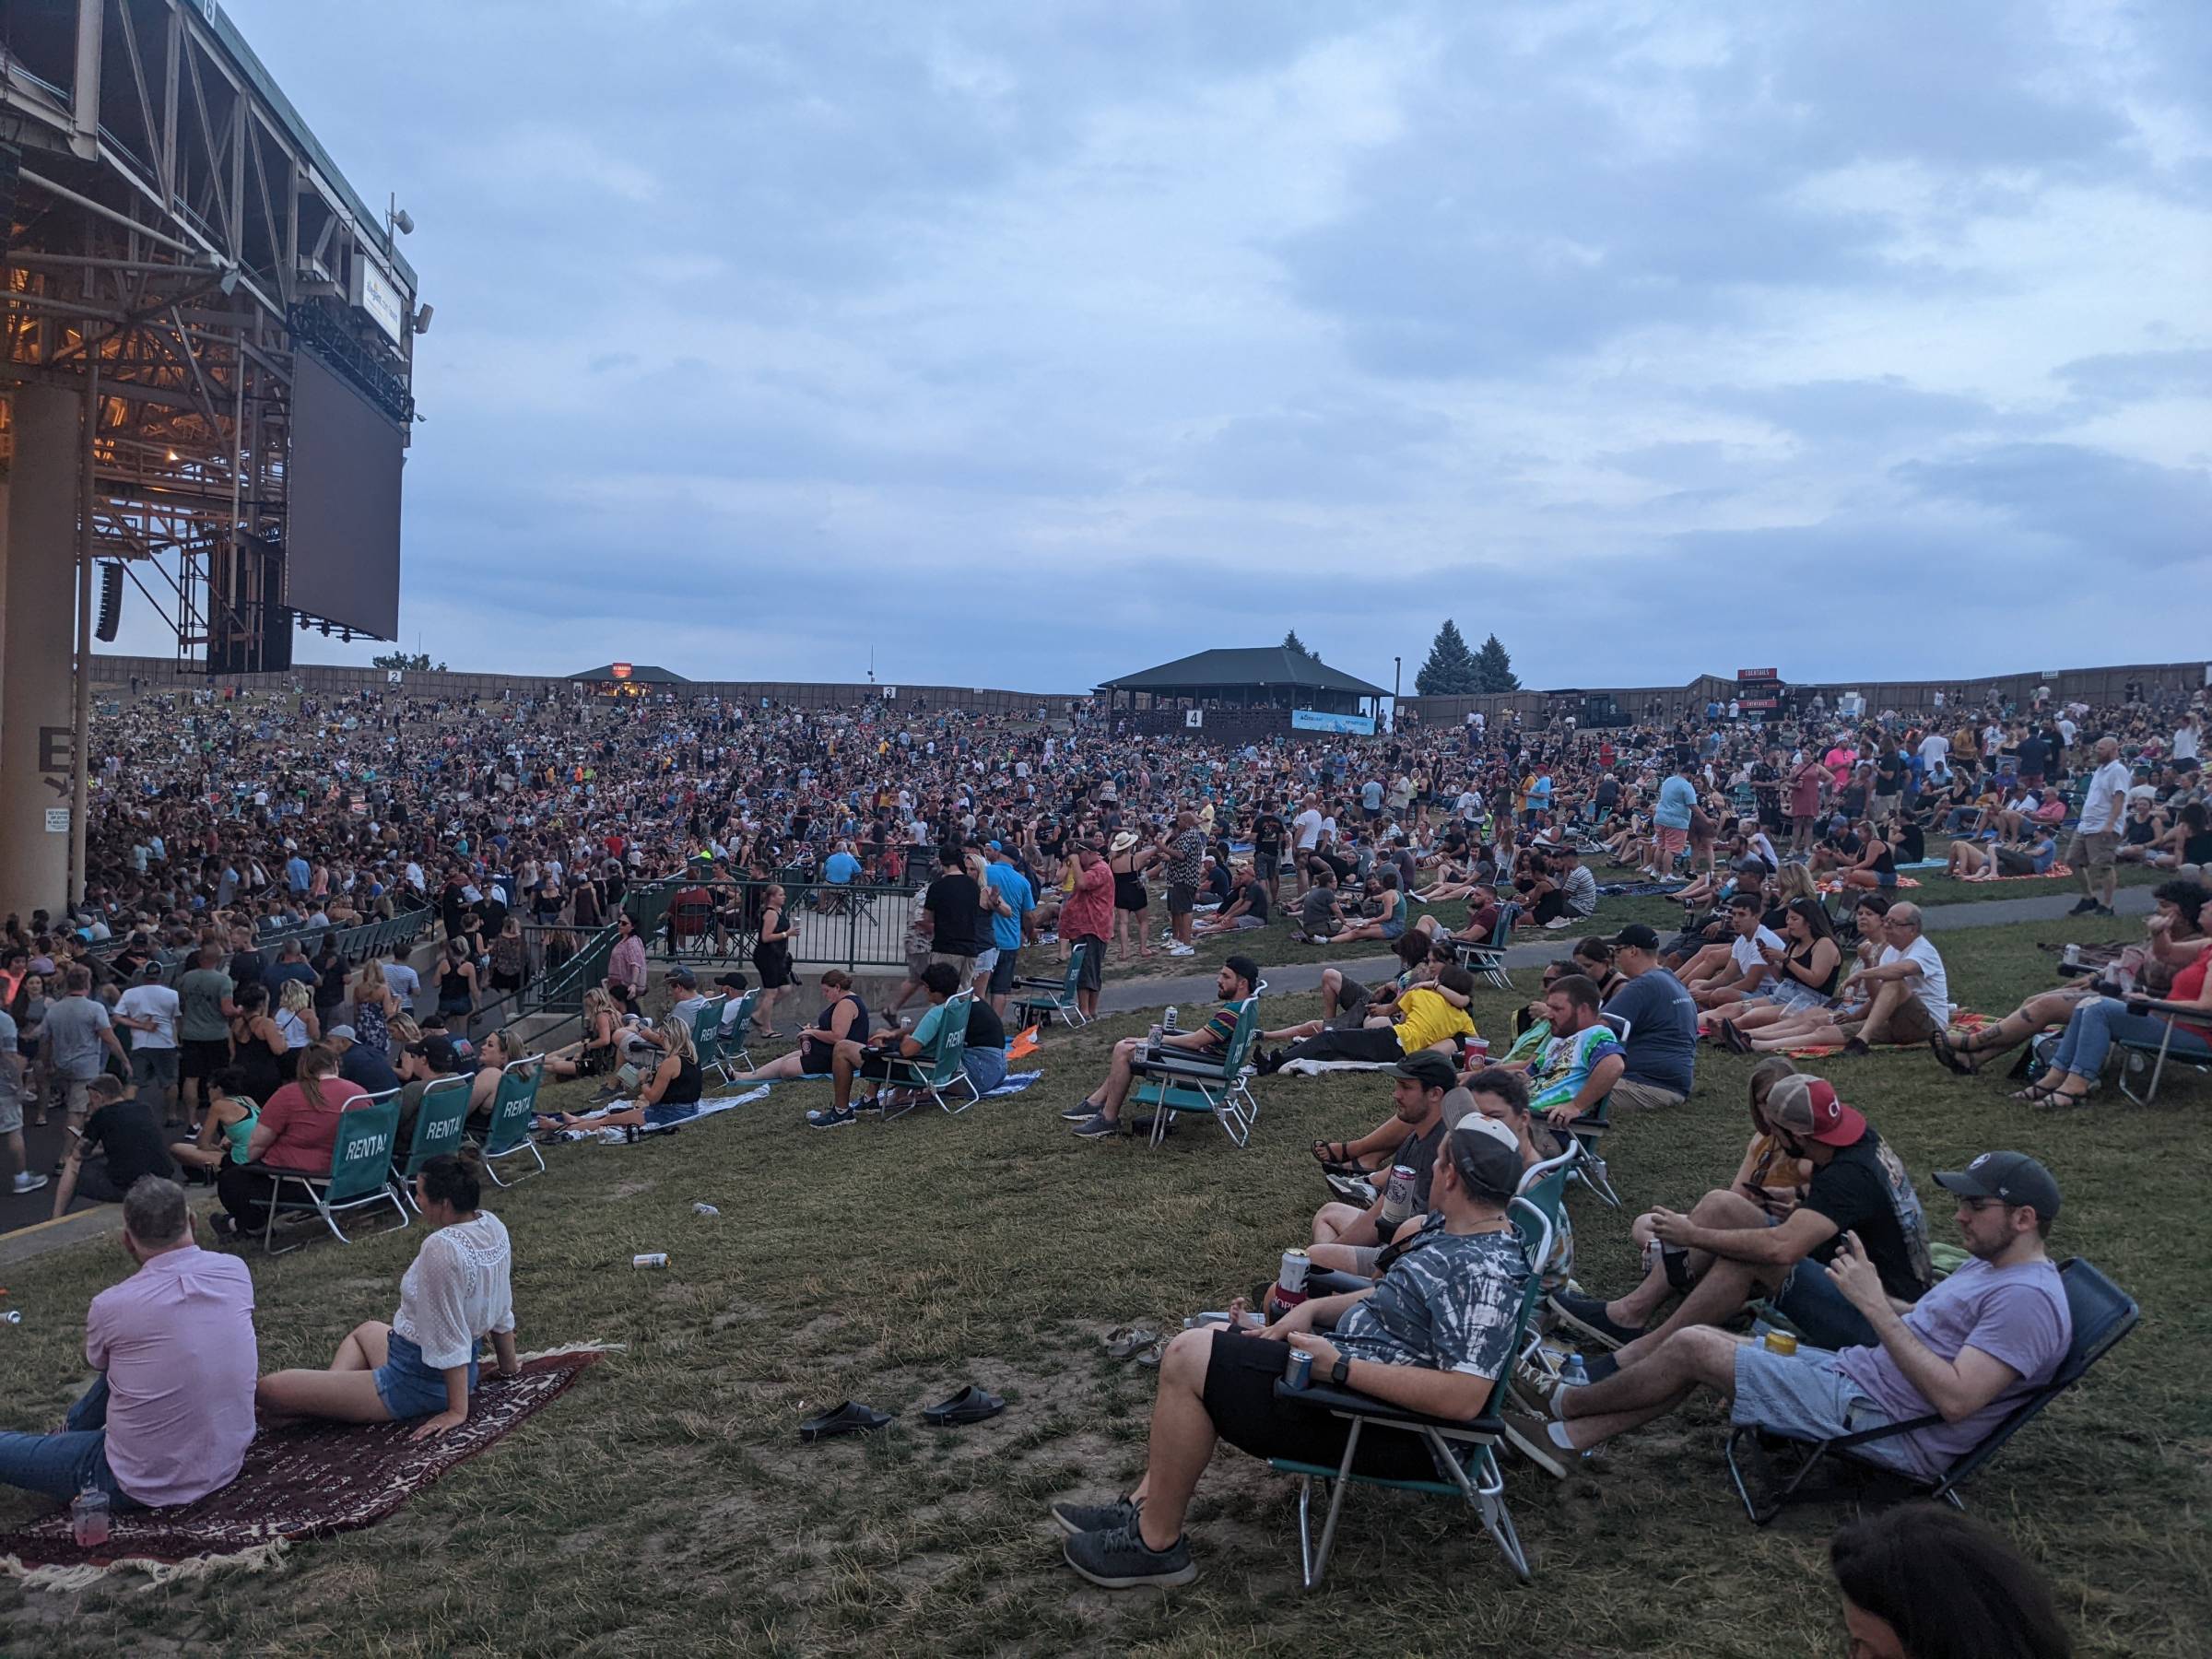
(852, 927)
(356, 944)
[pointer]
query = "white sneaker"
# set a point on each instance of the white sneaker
(29, 1182)
(1557, 922)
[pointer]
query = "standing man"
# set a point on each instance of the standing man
(11, 1108)
(1010, 919)
(77, 1030)
(2096, 843)
(150, 1010)
(1671, 815)
(203, 1026)
(1186, 869)
(1084, 920)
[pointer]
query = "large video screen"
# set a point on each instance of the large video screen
(341, 556)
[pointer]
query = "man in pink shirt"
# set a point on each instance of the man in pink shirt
(168, 1418)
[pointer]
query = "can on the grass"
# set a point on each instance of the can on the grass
(1397, 1199)
(1290, 1283)
(1298, 1371)
(1781, 1342)
(658, 1258)
(2073, 956)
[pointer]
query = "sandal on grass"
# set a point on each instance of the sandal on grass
(1130, 1339)
(1950, 1054)
(2036, 1094)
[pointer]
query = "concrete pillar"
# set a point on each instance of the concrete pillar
(37, 603)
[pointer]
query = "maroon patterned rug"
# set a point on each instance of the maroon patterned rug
(306, 1481)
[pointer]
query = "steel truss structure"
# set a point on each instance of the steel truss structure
(173, 233)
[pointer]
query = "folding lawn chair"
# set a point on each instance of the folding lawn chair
(2133, 1049)
(513, 1112)
(706, 1033)
(1465, 1453)
(1039, 1000)
(1486, 962)
(938, 1068)
(1170, 1082)
(440, 1121)
(2102, 1314)
(1589, 1130)
(360, 1173)
(729, 1047)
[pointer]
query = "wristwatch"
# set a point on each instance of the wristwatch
(1340, 1372)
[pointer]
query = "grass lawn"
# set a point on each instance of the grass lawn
(665, 1505)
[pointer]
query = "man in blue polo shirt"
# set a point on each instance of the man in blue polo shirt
(1009, 883)
(841, 867)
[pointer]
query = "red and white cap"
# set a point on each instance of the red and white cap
(1807, 1107)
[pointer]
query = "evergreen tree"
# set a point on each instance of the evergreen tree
(1494, 668)
(1292, 642)
(1451, 670)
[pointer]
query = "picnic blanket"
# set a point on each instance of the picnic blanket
(2057, 872)
(306, 1481)
(1015, 1083)
(1837, 886)
(1962, 1019)
(1638, 890)
(709, 1105)
(1313, 1068)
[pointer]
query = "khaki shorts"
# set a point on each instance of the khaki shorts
(1912, 1023)
(963, 965)
(1643, 1096)
(2093, 852)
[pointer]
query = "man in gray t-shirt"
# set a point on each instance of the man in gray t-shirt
(79, 1037)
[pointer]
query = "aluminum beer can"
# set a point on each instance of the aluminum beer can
(1290, 1283)
(1397, 1199)
(2073, 956)
(654, 1259)
(1298, 1371)
(1781, 1342)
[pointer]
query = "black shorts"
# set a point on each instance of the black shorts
(877, 1064)
(95, 1185)
(1092, 974)
(775, 972)
(1003, 970)
(1240, 1375)
(202, 1056)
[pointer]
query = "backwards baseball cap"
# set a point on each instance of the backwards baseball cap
(2012, 1177)
(441, 1054)
(1636, 935)
(735, 981)
(1427, 1068)
(1807, 1107)
(345, 1031)
(1245, 968)
(1487, 1156)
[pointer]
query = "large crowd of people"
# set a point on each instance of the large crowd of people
(193, 1016)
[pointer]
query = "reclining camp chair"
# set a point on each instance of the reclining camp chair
(360, 1173)
(441, 1119)
(1039, 1000)
(1589, 1130)
(514, 1110)
(1465, 1453)
(2102, 1313)
(1171, 1081)
(938, 1068)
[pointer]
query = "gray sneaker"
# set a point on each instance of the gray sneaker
(1077, 1519)
(1117, 1558)
(29, 1182)
(1098, 1127)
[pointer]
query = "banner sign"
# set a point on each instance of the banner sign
(1312, 720)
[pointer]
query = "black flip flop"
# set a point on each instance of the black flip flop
(849, 1417)
(972, 1405)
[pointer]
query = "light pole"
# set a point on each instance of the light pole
(1397, 668)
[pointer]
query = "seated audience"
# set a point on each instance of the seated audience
(1920, 1580)
(843, 1019)
(1424, 1018)
(121, 1143)
(1418, 1084)
(1098, 1113)
(226, 1126)
(1433, 1336)
(169, 1413)
(297, 1129)
(1662, 1043)
(423, 1364)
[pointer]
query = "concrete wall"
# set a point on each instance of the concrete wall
(329, 681)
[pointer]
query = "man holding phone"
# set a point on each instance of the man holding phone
(1968, 1351)
(1859, 1185)
(1753, 955)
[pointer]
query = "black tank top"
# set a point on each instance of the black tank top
(1805, 959)
(685, 1089)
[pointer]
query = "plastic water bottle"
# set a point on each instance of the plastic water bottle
(1575, 1373)
(89, 1518)
(1167, 1021)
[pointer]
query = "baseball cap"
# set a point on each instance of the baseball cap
(735, 981)
(1245, 968)
(1636, 935)
(1807, 1107)
(441, 1054)
(340, 1030)
(1428, 1069)
(152, 970)
(2013, 1176)
(1485, 1155)
(683, 976)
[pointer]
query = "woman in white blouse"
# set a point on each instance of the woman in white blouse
(422, 1364)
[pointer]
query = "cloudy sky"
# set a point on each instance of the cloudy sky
(1029, 342)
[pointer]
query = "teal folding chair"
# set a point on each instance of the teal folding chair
(360, 1173)
(513, 1109)
(1169, 1083)
(441, 1123)
(938, 1068)
(1041, 1000)
(730, 1050)
(1465, 1453)
(706, 1033)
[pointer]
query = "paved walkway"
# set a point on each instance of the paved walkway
(1288, 977)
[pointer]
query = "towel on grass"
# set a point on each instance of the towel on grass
(1962, 1019)
(707, 1106)
(305, 1481)
(1315, 1068)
